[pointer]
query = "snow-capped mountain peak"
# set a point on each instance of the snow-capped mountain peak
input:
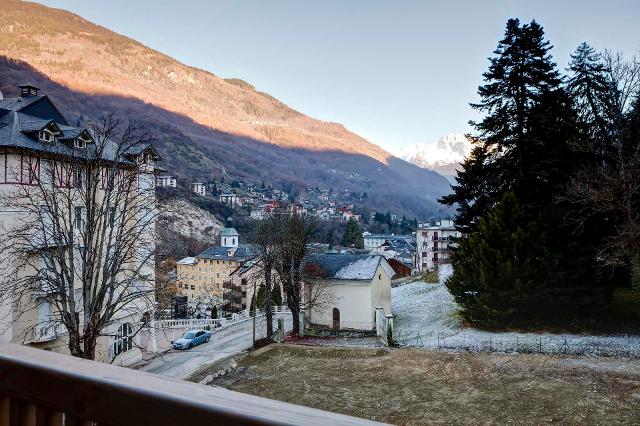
(442, 156)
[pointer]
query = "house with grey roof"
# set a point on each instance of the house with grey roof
(344, 290)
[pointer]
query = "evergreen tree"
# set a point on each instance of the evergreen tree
(277, 295)
(594, 99)
(353, 235)
(214, 312)
(519, 168)
(214, 190)
(261, 297)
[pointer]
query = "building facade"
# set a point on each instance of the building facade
(166, 181)
(434, 243)
(201, 278)
(346, 290)
(45, 159)
(198, 188)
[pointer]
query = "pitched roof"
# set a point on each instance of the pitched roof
(21, 117)
(229, 232)
(243, 251)
(351, 267)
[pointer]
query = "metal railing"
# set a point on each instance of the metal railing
(215, 323)
(48, 331)
(41, 387)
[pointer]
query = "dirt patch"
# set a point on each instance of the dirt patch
(413, 386)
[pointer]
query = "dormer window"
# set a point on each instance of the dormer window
(144, 158)
(79, 143)
(45, 135)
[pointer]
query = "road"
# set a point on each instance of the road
(230, 341)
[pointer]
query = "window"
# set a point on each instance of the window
(217, 274)
(80, 143)
(379, 276)
(45, 135)
(77, 177)
(112, 216)
(78, 217)
(193, 287)
(124, 339)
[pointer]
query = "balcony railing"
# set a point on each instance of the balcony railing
(41, 387)
(47, 332)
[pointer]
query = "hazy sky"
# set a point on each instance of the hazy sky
(396, 72)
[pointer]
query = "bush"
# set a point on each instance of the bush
(626, 303)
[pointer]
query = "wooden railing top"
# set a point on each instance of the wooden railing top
(111, 395)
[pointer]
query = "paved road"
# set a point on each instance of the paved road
(230, 341)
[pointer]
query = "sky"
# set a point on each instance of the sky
(397, 72)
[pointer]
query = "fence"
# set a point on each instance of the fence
(212, 324)
(158, 335)
(607, 346)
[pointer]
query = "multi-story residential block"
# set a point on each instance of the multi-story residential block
(434, 243)
(166, 181)
(46, 160)
(201, 278)
(198, 188)
(230, 198)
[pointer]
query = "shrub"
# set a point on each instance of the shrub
(626, 303)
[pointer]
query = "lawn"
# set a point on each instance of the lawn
(417, 386)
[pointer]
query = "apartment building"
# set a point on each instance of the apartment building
(201, 277)
(434, 243)
(46, 166)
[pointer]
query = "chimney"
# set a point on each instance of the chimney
(27, 90)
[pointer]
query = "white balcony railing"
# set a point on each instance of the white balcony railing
(41, 387)
(48, 331)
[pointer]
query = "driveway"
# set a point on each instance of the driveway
(230, 341)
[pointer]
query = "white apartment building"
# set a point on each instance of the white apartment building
(199, 188)
(166, 181)
(433, 243)
(231, 199)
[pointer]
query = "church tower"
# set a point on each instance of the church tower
(229, 236)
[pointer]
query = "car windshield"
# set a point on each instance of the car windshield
(189, 335)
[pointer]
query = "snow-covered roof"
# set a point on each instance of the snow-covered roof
(187, 261)
(348, 267)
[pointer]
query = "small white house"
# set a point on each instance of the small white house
(199, 188)
(346, 289)
(166, 181)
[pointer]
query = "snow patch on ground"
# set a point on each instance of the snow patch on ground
(425, 315)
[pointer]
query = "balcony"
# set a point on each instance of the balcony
(47, 332)
(40, 387)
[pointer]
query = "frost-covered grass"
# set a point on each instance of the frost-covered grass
(426, 316)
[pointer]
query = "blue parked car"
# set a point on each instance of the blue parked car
(192, 338)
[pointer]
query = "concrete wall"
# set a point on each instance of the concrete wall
(381, 290)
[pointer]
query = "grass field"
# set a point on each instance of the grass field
(414, 386)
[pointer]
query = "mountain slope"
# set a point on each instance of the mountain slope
(207, 126)
(443, 156)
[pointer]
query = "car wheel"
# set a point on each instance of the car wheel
(189, 346)
(207, 339)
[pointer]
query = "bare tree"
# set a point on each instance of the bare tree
(264, 238)
(293, 248)
(83, 238)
